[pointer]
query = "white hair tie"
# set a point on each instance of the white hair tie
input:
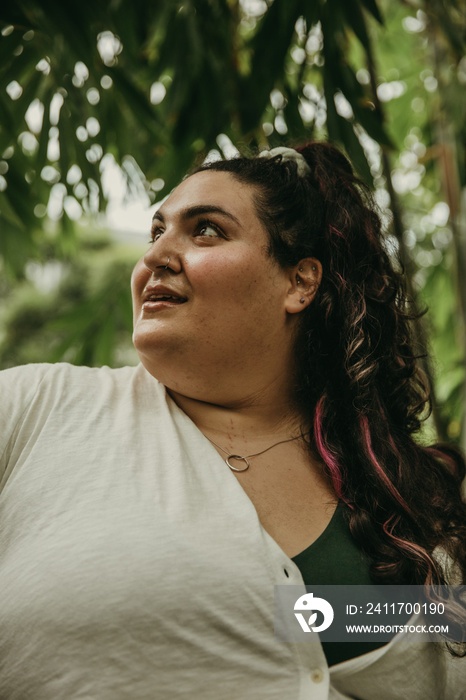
(288, 154)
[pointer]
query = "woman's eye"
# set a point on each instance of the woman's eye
(208, 230)
(155, 236)
(204, 230)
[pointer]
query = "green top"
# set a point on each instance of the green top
(335, 559)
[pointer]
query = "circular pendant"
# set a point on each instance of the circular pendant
(240, 459)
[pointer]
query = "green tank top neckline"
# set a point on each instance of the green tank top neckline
(334, 558)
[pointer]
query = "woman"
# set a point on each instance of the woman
(266, 439)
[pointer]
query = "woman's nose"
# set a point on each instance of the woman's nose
(162, 254)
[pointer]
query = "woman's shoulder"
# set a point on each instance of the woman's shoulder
(24, 384)
(35, 373)
(37, 395)
(450, 567)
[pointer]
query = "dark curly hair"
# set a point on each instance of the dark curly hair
(358, 384)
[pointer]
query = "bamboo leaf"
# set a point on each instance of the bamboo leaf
(372, 7)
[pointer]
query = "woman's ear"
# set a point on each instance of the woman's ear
(305, 279)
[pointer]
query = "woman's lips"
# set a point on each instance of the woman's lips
(157, 304)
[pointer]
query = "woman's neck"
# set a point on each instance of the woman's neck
(256, 417)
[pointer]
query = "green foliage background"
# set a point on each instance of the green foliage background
(158, 86)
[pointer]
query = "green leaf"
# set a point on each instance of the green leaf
(372, 7)
(277, 26)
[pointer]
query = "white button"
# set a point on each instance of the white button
(317, 675)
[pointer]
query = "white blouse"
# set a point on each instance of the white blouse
(133, 564)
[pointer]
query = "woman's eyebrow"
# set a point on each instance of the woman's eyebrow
(197, 210)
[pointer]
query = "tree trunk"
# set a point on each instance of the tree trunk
(419, 332)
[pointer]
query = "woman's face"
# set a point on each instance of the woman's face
(207, 298)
